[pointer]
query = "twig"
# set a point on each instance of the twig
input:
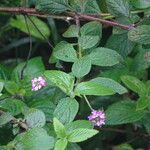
(34, 12)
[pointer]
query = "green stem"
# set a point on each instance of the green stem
(88, 103)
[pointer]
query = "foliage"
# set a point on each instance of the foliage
(92, 68)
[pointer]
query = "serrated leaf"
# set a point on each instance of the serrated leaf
(72, 31)
(45, 105)
(5, 118)
(66, 110)
(134, 84)
(143, 103)
(123, 112)
(87, 41)
(81, 134)
(92, 88)
(34, 139)
(35, 118)
(65, 51)
(59, 128)
(118, 7)
(20, 24)
(13, 106)
(61, 144)
(52, 6)
(78, 124)
(61, 79)
(92, 28)
(140, 35)
(115, 86)
(81, 67)
(104, 57)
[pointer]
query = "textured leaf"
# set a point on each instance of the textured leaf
(78, 124)
(65, 51)
(104, 57)
(61, 79)
(72, 31)
(61, 144)
(52, 6)
(66, 110)
(59, 128)
(88, 41)
(81, 67)
(20, 24)
(140, 4)
(141, 34)
(5, 118)
(122, 112)
(120, 43)
(118, 7)
(34, 139)
(13, 106)
(134, 84)
(81, 134)
(116, 87)
(143, 103)
(92, 88)
(35, 118)
(45, 105)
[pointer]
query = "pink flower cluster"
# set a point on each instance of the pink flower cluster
(38, 83)
(97, 117)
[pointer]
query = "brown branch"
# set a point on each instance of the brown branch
(65, 16)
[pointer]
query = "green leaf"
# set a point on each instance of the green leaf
(61, 79)
(1, 86)
(92, 7)
(87, 41)
(122, 112)
(5, 118)
(115, 86)
(140, 35)
(45, 105)
(59, 128)
(65, 51)
(35, 68)
(81, 134)
(92, 28)
(92, 88)
(143, 103)
(146, 122)
(66, 110)
(61, 144)
(104, 57)
(118, 7)
(35, 118)
(72, 31)
(13, 106)
(78, 124)
(11, 87)
(120, 43)
(73, 146)
(52, 6)
(81, 67)
(34, 139)
(140, 4)
(123, 147)
(20, 24)
(134, 84)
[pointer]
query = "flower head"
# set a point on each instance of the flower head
(38, 83)
(97, 117)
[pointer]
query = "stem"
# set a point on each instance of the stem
(88, 103)
(71, 15)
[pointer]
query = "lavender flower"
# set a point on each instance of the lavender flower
(97, 117)
(38, 83)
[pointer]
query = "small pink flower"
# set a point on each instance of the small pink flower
(97, 117)
(38, 83)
